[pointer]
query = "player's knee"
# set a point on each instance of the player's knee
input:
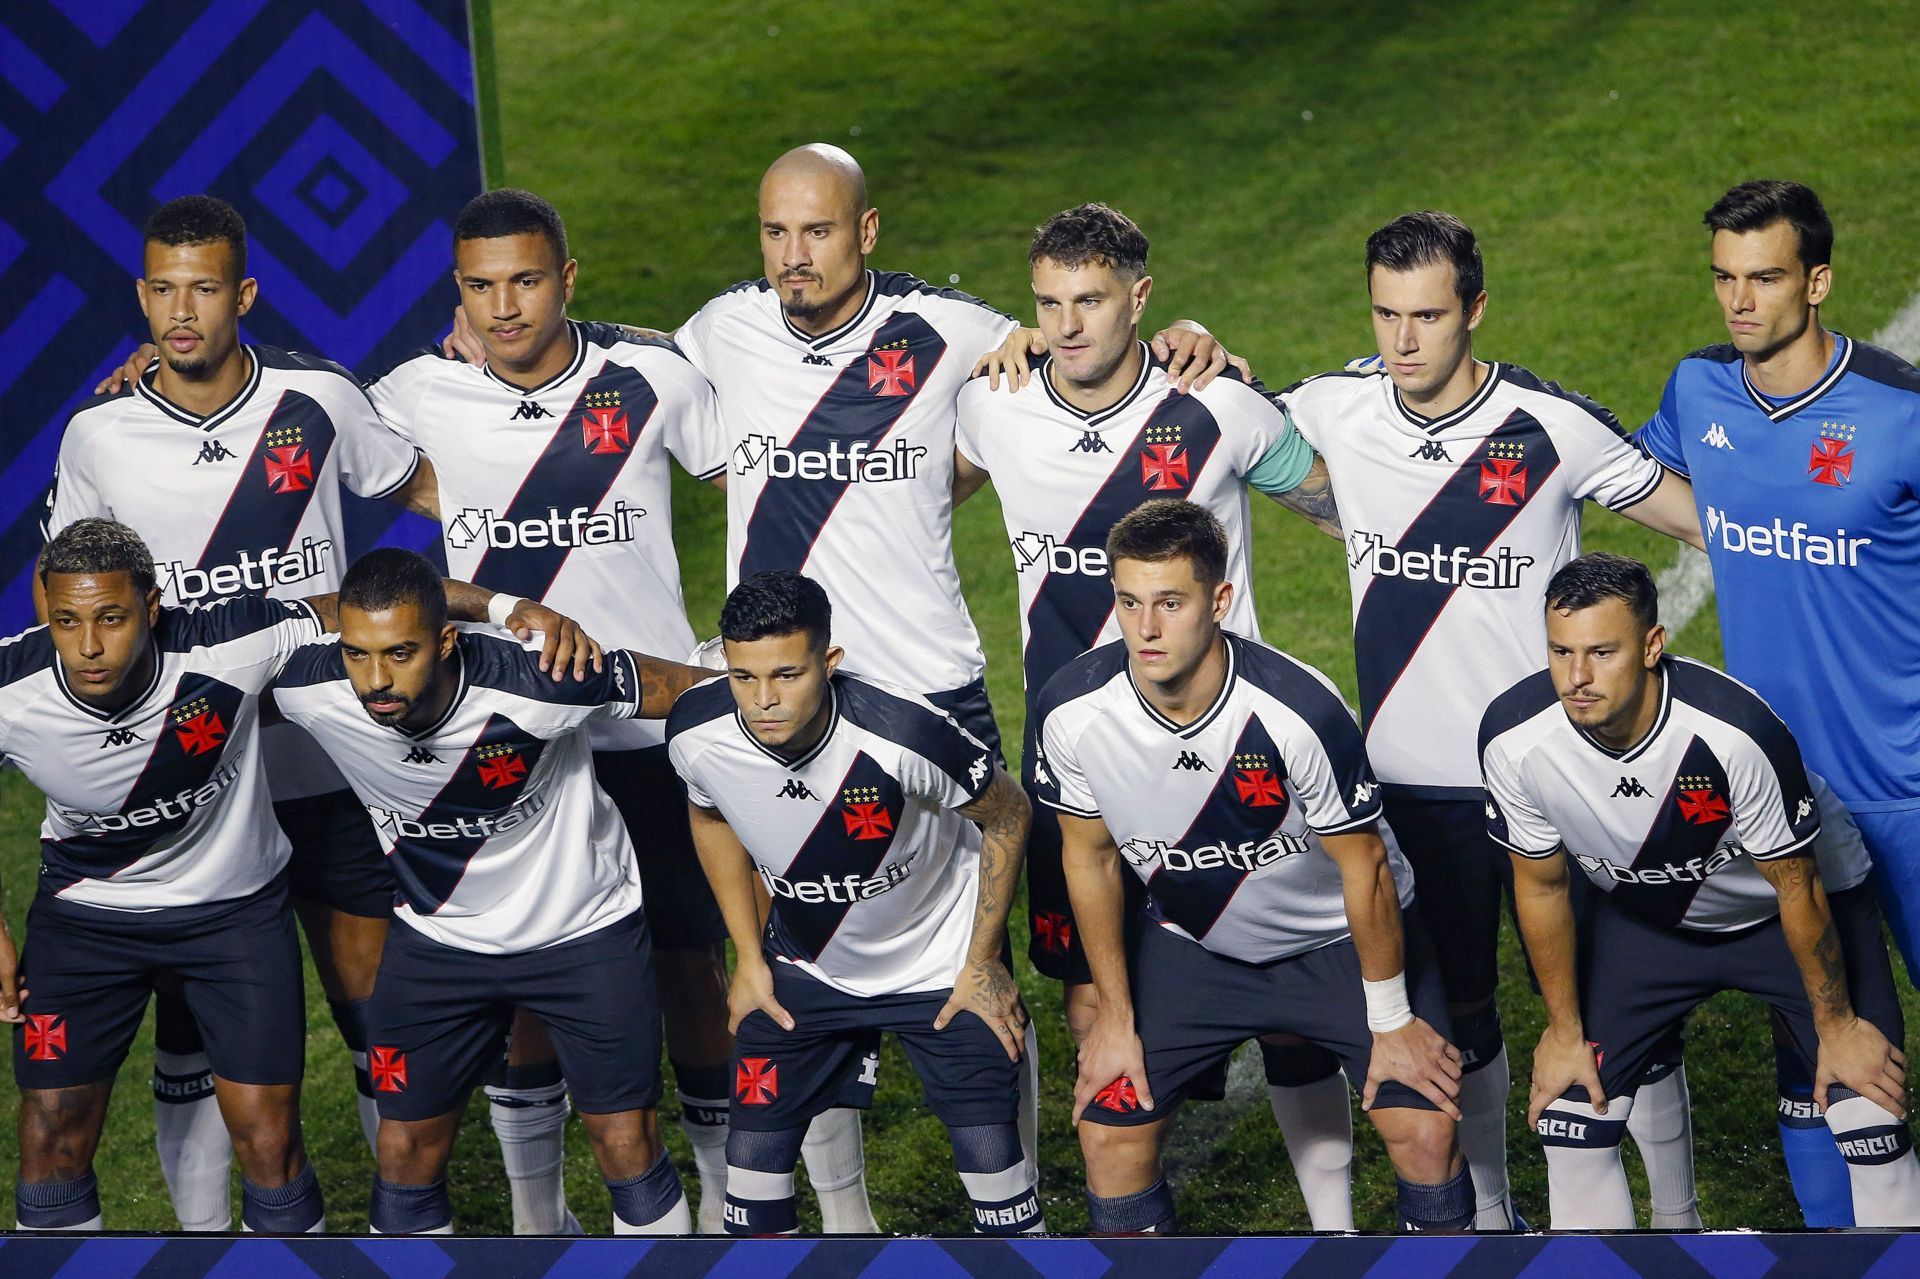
(414, 1153)
(59, 1128)
(626, 1143)
(1121, 1159)
(267, 1148)
(1422, 1144)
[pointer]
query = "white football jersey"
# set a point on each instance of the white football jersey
(562, 493)
(499, 837)
(873, 876)
(1454, 526)
(1065, 477)
(163, 802)
(242, 500)
(840, 461)
(1219, 817)
(1670, 827)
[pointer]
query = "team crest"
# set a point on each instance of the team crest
(1054, 930)
(603, 423)
(289, 464)
(890, 370)
(388, 1067)
(1118, 1097)
(1503, 476)
(46, 1036)
(865, 816)
(500, 766)
(198, 726)
(1831, 461)
(756, 1081)
(1700, 803)
(1163, 459)
(1253, 778)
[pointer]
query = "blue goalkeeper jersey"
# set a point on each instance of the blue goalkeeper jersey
(1811, 510)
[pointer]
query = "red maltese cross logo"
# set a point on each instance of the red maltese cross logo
(756, 1081)
(1258, 787)
(890, 372)
(289, 465)
(1831, 461)
(198, 727)
(865, 816)
(603, 423)
(1700, 803)
(500, 766)
(388, 1068)
(46, 1036)
(1118, 1096)
(1055, 931)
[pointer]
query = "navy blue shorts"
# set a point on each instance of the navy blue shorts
(831, 1057)
(1053, 939)
(1639, 981)
(652, 801)
(1193, 1008)
(1461, 875)
(90, 972)
(337, 858)
(439, 1018)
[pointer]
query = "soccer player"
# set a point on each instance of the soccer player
(228, 459)
(161, 864)
(1460, 484)
(1684, 801)
(1232, 780)
(1800, 444)
(1100, 428)
(469, 762)
(855, 804)
(554, 482)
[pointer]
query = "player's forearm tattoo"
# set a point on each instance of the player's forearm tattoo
(661, 683)
(1313, 498)
(1004, 815)
(1830, 993)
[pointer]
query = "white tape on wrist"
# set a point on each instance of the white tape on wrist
(500, 607)
(1387, 1006)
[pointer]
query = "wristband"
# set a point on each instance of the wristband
(1387, 1006)
(500, 608)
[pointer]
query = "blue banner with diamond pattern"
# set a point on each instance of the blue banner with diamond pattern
(345, 132)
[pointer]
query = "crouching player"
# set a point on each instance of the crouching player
(855, 804)
(1683, 799)
(1233, 780)
(517, 884)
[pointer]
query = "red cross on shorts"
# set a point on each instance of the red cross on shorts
(289, 469)
(1163, 466)
(891, 371)
(1702, 807)
(1503, 482)
(388, 1068)
(201, 733)
(756, 1080)
(1258, 787)
(502, 771)
(1830, 463)
(46, 1036)
(1056, 931)
(604, 430)
(868, 821)
(1118, 1096)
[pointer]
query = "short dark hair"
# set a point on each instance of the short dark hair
(95, 546)
(1599, 576)
(200, 219)
(1091, 233)
(1765, 201)
(511, 211)
(1427, 238)
(777, 602)
(1168, 528)
(392, 575)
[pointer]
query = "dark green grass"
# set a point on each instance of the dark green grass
(1257, 144)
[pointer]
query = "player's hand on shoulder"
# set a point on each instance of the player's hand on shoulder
(1561, 1060)
(751, 991)
(1110, 1054)
(563, 645)
(1194, 356)
(129, 373)
(1420, 1057)
(1013, 357)
(987, 990)
(12, 993)
(463, 341)
(1856, 1055)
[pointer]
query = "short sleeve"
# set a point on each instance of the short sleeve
(374, 460)
(694, 434)
(970, 412)
(73, 494)
(396, 400)
(691, 338)
(1327, 762)
(251, 632)
(1057, 778)
(1601, 462)
(1514, 821)
(1659, 438)
(1774, 810)
(939, 759)
(681, 754)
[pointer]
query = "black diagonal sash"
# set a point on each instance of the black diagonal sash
(1477, 504)
(1247, 805)
(1694, 817)
(850, 841)
(575, 471)
(864, 403)
(489, 779)
(189, 748)
(277, 482)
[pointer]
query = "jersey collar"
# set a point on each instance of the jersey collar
(144, 386)
(1435, 425)
(1096, 418)
(825, 340)
(109, 717)
(573, 367)
(795, 765)
(1212, 713)
(1640, 747)
(1780, 411)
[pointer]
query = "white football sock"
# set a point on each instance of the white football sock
(531, 1126)
(1316, 1122)
(1586, 1182)
(196, 1154)
(1483, 1141)
(1880, 1163)
(1662, 1127)
(837, 1167)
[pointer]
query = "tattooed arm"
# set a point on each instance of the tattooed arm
(662, 682)
(1853, 1051)
(985, 988)
(1312, 497)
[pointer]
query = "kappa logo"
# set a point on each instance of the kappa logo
(214, 451)
(795, 789)
(1054, 930)
(528, 411)
(1430, 451)
(1700, 804)
(1253, 779)
(420, 755)
(1629, 788)
(198, 726)
(46, 1036)
(289, 464)
(1192, 763)
(119, 737)
(1041, 777)
(756, 1081)
(1363, 793)
(603, 423)
(1716, 437)
(1804, 809)
(890, 371)
(977, 771)
(864, 816)
(500, 766)
(812, 358)
(1503, 480)
(1091, 442)
(1163, 460)
(388, 1066)
(1493, 813)
(1831, 461)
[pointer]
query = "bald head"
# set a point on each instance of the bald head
(828, 170)
(815, 233)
